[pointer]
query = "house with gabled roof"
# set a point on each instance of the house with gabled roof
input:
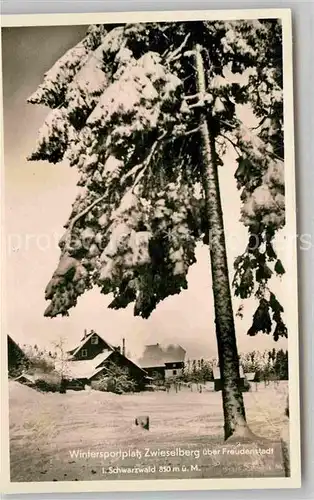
(167, 361)
(17, 359)
(89, 347)
(92, 357)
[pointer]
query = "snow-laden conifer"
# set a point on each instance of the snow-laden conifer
(146, 113)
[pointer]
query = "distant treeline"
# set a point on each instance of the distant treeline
(35, 360)
(267, 365)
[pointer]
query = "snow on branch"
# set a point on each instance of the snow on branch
(84, 212)
(144, 165)
(53, 137)
(51, 92)
(177, 52)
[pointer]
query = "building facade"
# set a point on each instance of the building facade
(163, 362)
(92, 358)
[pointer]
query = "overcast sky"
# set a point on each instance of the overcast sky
(38, 198)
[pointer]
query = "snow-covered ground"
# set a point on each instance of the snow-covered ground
(46, 428)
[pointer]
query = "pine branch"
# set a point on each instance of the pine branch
(80, 215)
(144, 165)
(133, 171)
(148, 159)
(199, 104)
(203, 98)
(249, 131)
(190, 97)
(190, 132)
(229, 124)
(176, 53)
(260, 123)
(236, 146)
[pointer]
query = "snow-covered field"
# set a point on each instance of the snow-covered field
(48, 432)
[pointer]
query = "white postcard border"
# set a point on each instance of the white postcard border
(291, 258)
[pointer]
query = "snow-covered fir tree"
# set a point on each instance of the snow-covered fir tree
(146, 112)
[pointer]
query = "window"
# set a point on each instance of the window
(84, 353)
(94, 340)
(174, 372)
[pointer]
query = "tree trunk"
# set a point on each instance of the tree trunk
(233, 407)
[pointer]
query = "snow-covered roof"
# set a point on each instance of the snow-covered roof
(136, 363)
(155, 355)
(83, 368)
(25, 376)
(80, 369)
(153, 364)
(174, 353)
(77, 348)
(100, 358)
(16, 346)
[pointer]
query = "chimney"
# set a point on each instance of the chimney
(123, 347)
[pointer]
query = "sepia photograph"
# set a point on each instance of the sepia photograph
(149, 321)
